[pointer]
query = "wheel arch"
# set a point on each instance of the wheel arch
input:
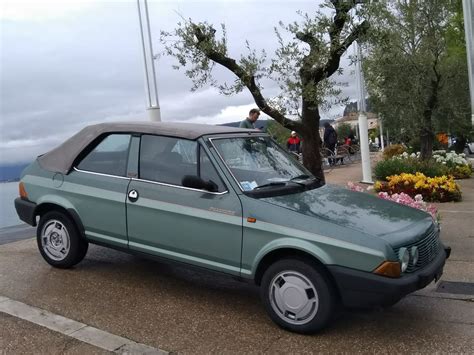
(286, 253)
(46, 207)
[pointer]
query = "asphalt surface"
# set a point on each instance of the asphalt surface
(192, 311)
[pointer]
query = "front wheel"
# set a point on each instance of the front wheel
(298, 296)
(59, 241)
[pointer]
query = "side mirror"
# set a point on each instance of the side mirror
(195, 182)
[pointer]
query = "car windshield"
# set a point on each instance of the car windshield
(257, 162)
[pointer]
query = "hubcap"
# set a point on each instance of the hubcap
(55, 240)
(293, 297)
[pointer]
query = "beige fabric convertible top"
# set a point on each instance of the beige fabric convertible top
(61, 158)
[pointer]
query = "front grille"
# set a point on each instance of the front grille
(428, 248)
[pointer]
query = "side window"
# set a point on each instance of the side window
(109, 156)
(187, 149)
(168, 160)
(208, 172)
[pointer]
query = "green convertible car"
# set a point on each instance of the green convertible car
(233, 201)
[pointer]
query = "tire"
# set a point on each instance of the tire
(316, 303)
(59, 241)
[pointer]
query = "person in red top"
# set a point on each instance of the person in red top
(293, 143)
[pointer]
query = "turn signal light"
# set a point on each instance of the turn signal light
(21, 188)
(389, 268)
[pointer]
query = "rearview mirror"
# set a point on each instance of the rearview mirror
(195, 182)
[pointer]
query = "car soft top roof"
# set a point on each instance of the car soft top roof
(61, 158)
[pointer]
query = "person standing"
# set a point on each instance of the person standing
(330, 139)
(293, 143)
(249, 122)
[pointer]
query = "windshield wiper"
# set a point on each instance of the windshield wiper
(279, 183)
(300, 177)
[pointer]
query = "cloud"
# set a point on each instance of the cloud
(41, 10)
(66, 64)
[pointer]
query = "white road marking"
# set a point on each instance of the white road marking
(74, 329)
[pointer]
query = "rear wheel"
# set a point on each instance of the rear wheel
(59, 241)
(298, 296)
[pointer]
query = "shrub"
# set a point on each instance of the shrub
(431, 168)
(409, 165)
(436, 189)
(392, 150)
(461, 171)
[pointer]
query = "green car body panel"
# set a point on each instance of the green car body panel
(229, 231)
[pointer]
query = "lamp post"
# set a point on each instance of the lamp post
(363, 126)
(468, 23)
(151, 89)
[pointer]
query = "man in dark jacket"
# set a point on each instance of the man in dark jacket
(330, 139)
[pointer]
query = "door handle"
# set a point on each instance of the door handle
(133, 195)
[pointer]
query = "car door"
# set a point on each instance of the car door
(97, 189)
(185, 224)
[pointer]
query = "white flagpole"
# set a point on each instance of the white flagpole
(151, 88)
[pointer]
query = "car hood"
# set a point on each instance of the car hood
(395, 223)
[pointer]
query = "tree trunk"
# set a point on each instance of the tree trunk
(426, 131)
(426, 140)
(311, 139)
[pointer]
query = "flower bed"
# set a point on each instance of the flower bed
(436, 189)
(442, 163)
(456, 164)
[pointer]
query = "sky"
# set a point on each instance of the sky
(65, 64)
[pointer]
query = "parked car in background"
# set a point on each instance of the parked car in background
(470, 147)
(233, 201)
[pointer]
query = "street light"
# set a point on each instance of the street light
(363, 126)
(153, 105)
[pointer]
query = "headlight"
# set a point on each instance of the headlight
(404, 257)
(414, 254)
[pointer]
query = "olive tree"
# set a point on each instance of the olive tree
(413, 77)
(302, 66)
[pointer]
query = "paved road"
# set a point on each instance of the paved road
(190, 311)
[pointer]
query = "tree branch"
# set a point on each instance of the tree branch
(336, 52)
(204, 45)
(342, 9)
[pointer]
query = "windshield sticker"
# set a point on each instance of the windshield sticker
(248, 185)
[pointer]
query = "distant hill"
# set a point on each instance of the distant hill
(11, 172)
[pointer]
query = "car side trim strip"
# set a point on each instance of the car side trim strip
(101, 174)
(180, 187)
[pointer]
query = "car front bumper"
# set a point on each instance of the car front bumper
(360, 289)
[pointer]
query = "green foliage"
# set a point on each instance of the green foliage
(396, 166)
(278, 132)
(416, 69)
(343, 130)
